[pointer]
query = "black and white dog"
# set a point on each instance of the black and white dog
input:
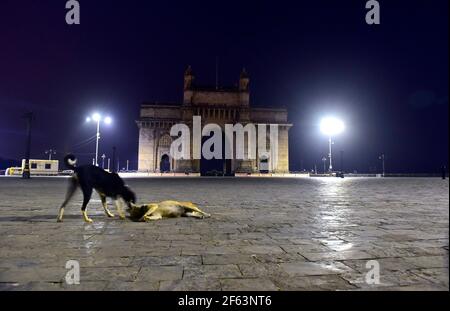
(90, 177)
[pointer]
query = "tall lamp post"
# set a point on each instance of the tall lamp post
(382, 158)
(331, 127)
(26, 174)
(98, 118)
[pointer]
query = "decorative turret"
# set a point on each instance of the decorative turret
(188, 78)
(244, 81)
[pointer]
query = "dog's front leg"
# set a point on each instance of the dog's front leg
(60, 215)
(148, 215)
(151, 218)
(73, 184)
(119, 208)
(87, 193)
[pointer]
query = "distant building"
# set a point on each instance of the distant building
(215, 105)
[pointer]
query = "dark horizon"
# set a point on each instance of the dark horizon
(389, 82)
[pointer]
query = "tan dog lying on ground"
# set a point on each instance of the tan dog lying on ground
(165, 209)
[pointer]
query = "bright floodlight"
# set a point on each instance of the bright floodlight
(108, 120)
(331, 126)
(88, 119)
(96, 117)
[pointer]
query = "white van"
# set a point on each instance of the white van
(37, 167)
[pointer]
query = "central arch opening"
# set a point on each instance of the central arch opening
(165, 164)
(213, 167)
(216, 167)
(264, 164)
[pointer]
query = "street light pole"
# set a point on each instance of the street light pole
(331, 127)
(26, 170)
(96, 145)
(330, 155)
(98, 118)
(382, 161)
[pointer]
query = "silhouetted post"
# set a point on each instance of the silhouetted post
(50, 152)
(114, 160)
(443, 172)
(382, 158)
(26, 170)
(342, 163)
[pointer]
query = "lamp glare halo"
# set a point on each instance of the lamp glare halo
(331, 126)
(96, 117)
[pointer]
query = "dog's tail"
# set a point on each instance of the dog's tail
(70, 161)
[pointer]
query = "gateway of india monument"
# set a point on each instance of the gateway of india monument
(214, 105)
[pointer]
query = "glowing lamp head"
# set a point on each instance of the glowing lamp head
(108, 120)
(88, 119)
(96, 117)
(331, 126)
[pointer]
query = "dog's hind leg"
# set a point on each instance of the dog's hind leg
(73, 184)
(192, 207)
(105, 205)
(87, 193)
(194, 214)
(119, 208)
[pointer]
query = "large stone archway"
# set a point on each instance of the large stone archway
(229, 105)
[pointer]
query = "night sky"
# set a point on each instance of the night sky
(388, 82)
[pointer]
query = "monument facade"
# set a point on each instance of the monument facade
(214, 105)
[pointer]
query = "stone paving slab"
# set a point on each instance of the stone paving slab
(316, 283)
(264, 234)
(191, 284)
(261, 284)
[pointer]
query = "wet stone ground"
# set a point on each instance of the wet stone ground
(264, 234)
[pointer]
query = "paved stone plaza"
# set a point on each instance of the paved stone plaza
(264, 234)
